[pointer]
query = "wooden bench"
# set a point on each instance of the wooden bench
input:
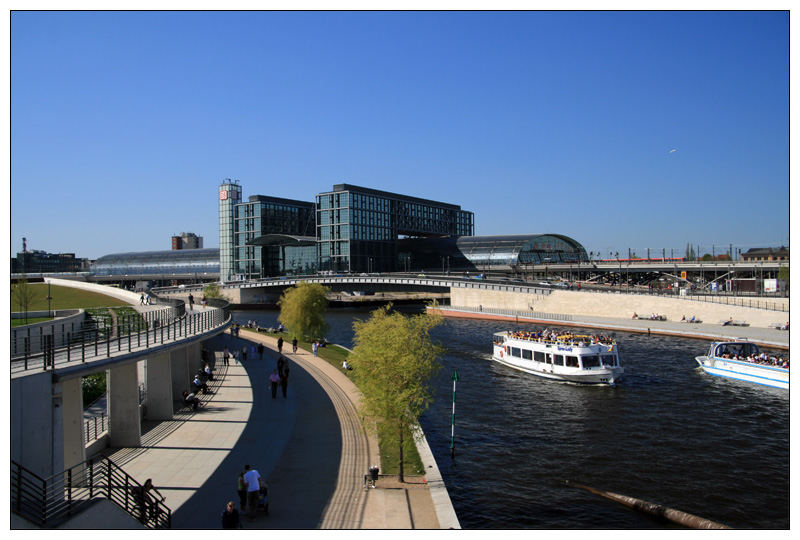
(778, 326)
(730, 322)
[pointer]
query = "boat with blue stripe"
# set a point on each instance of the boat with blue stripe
(742, 360)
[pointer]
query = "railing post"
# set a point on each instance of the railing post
(129, 336)
(19, 489)
(108, 479)
(91, 478)
(108, 344)
(69, 348)
(44, 501)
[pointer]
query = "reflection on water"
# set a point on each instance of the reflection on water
(668, 433)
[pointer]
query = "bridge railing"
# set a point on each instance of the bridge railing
(158, 328)
(711, 298)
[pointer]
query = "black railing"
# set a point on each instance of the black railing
(95, 426)
(50, 502)
(157, 328)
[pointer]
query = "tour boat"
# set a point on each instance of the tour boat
(565, 357)
(741, 360)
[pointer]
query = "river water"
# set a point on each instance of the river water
(668, 433)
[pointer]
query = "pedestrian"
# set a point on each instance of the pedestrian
(252, 351)
(314, 347)
(191, 301)
(284, 381)
(230, 517)
(280, 344)
(146, 500)
(253, 481)
(141, 300)
(281, 365)
(260, 351)
(147, 298)
(294, 345)
(241, 490)
(226, 355)
(244, 353)
(274, 379)
(204, 301)
(235, 354)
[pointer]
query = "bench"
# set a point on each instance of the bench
(696, 321)
(778, 326)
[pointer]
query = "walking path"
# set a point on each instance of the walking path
(310, 447)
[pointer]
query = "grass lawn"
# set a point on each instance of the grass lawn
(65, 298)
(390, 456)
(31, 320)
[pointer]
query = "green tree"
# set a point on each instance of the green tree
(393, 361)
(23, 295)
(303, 310)
(212, 290)
(93, 386)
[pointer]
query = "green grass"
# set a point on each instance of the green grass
(65, 298)
(31, 320)
(390, 454)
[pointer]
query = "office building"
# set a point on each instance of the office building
(187, 241)
(358, 228)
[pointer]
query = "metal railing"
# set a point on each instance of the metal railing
(50, 502)
(156, 328)
(95, 426)
(742, 301)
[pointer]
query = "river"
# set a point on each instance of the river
(668, 433)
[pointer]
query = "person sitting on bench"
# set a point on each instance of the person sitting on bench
(200, 385)
(191, 399)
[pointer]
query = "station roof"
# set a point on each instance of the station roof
(282, 240)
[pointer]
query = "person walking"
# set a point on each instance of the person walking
(244, 353)
(294, 345)
(226, 355)
(274, 379)
(252, 350)
(141, 300)
(260, 351)
(241, 490)
(191, 301)
(280, 344)
(236, 357)
(284, 380)
(230, 517)
(314, 347)
(281, 365)
(253, 481)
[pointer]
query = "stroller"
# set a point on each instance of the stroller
(263, 499)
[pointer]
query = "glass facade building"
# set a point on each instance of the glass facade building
(199, 264)
(358, 228)
(280, 222)
(472, 253)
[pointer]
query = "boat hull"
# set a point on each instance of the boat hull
(745, 371)
(607, 377)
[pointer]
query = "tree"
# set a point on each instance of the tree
(23, 295)
(303, 310)
(393, 361)
(212, 290)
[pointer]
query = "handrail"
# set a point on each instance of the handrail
(159, 327)
(51, 501)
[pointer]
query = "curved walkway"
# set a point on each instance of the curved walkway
(310, 447)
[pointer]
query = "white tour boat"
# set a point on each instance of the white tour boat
(565, 357)
(740, 360)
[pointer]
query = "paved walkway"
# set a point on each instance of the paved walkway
(310, 447)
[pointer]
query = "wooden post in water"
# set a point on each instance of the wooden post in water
(676, 516)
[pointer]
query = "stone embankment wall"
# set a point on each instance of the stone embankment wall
(620, 306)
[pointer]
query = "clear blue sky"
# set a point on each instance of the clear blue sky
(619, 129)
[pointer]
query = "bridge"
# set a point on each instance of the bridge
(47, 368)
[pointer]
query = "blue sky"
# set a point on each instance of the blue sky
(619, 129)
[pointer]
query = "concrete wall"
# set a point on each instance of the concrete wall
(32, 435)
(126, 296)
(621, 306)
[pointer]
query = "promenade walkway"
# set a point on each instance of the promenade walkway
(310, 447)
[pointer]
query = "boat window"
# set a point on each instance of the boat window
(590, 361)
(558, 359)
(549, 358)
(539, 356)
(609, 360)
(526, 354)
(515, 352)
(572, 361)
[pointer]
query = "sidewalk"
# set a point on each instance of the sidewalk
(310, 447)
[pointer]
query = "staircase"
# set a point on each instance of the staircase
(52, 501)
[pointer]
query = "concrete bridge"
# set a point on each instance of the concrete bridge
(46, 395)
